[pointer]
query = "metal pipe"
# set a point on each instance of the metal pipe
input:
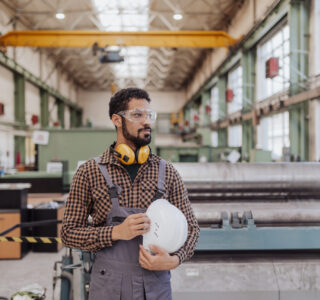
(263, 213)
(251, 176)
(68, 276)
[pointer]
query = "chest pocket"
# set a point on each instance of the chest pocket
(147, 191)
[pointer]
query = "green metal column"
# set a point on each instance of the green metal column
(248, 69)
(299, 45)
(299, 131)
(19, 100)
(73, 117)
(44, 108)
(247, 139)
(60, 113)
(222, 133)
(78, 118)
(205, 100)
(19, 149)
(248, 75)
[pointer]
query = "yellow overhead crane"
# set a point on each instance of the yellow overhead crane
(86, 39)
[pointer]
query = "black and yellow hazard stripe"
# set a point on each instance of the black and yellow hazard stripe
(31, 239)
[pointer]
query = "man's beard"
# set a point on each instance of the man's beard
(136, 140)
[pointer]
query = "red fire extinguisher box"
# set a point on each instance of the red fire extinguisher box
(272, 67)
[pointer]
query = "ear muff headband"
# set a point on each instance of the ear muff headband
(127, 156)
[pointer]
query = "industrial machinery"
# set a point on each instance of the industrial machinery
(260, 234)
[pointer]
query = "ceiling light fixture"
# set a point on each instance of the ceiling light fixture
(177, 16)
(60, 16)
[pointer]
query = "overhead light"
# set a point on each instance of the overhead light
(60, 16)
(111, 57)
(177, 16)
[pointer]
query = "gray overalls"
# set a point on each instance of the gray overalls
(116, 273)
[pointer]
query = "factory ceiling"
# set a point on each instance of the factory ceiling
(151, 68)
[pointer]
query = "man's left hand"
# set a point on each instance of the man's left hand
(159, 261)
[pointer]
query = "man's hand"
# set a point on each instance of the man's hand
(131, 227)
(162, 260)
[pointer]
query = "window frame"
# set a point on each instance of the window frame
(261, 81)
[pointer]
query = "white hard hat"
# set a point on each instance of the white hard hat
(168, 228)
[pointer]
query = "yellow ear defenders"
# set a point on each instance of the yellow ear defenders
(127, 156)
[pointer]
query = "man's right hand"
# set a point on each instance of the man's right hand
(131, 227)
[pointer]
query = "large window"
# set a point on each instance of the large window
(277, 46)
(273, 134)
(214, 138)
(214, 104)
(235, 136)
(235, 85)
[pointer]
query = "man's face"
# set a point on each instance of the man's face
(137, 132)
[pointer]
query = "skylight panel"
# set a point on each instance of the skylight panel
(126, 15)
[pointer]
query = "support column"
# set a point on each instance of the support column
(299, 45)
(44, 108)
(73, 116)
(248, 130)
(60, 113)
(222, 133)
(299, 131)
(79, 118)
(205, 100)
(19, 100)
(248, 75)
(247, 139)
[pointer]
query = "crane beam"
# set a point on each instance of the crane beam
(86, 39)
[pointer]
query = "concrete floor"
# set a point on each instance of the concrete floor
(32, 268)
(287, 278)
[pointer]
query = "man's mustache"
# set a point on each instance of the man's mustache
(144, 128)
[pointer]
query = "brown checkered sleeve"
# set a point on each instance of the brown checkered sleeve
(178, 196)
(75, 231)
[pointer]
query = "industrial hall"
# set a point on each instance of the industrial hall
(160, 149)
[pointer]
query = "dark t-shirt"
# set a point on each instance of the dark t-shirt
(132, 170)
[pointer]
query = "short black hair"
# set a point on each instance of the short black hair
(119, 101)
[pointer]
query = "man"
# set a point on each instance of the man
(116, 189)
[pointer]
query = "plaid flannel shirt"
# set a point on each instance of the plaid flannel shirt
(89, 196)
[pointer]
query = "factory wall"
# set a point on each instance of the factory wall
(240, 25)
(95, 108)
(233, 89)
(95, 105)
(314, 62)
(7, 94)
(53, 111)
(39, 64)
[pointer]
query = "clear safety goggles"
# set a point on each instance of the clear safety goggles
(138, 115)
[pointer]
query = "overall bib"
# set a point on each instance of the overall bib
(116, 273)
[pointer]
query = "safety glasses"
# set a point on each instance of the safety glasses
(138, 115)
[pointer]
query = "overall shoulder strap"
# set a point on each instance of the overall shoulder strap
(114, 190)
(161, 179)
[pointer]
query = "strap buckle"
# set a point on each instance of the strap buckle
(113, 192)
(159, 194)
